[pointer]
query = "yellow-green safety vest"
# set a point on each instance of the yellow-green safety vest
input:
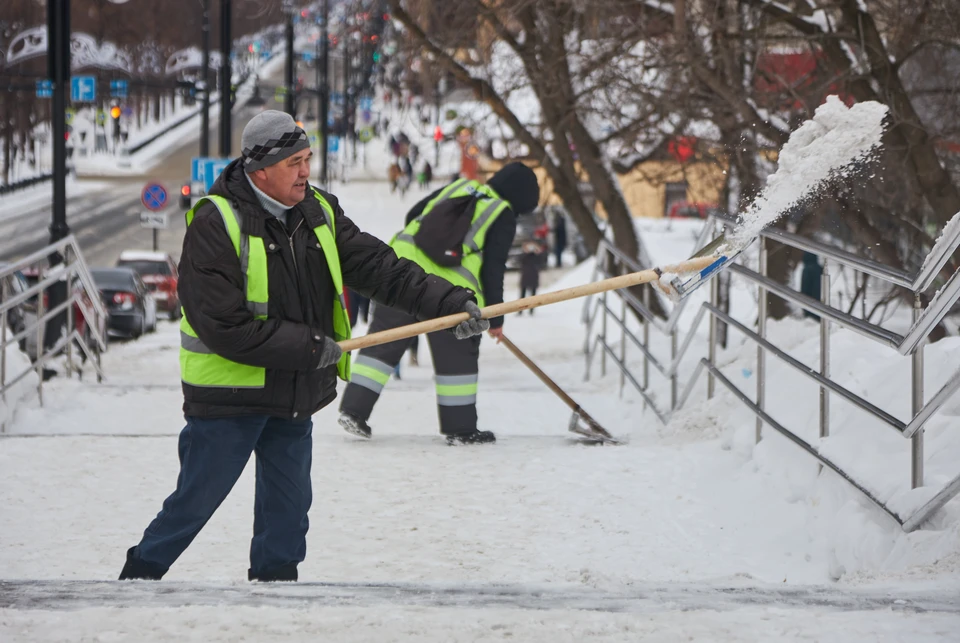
(200, 366)
(467, 274)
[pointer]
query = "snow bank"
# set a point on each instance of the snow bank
(23, 392)
(833, 139)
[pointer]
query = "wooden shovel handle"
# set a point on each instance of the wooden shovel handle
(442, 323)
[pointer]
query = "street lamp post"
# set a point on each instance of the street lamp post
(226, 78)
(289, 99)
(58, 69)
(324, 93)
(205, 79)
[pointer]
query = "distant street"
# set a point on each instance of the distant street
(108, 221)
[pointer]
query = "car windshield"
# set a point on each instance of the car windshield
(113, 279)
(144, 267)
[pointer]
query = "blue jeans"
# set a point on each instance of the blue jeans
(213, 453)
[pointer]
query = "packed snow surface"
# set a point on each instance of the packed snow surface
(836, 137)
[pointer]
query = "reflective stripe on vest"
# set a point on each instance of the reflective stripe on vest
(200, 366)
(467, 274)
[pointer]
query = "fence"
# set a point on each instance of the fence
(612, 262)
(27, 306)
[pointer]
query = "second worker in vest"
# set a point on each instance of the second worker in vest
(462, 233)
(264, 264)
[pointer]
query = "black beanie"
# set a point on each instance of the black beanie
(517, 184)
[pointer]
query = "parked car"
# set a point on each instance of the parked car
(159, 272)
(28, 345)
(530, 227)
(130, 305)
(12, 285)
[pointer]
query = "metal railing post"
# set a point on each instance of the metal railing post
(69, 311)
(603, 335)
(41, 311)
(673, 376)
(623, 343)
(646, 345)
(916, 375)
(762, 331)
(825, 351)
(712, 339)
(3, 346)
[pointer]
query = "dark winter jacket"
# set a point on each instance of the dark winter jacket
(301, 295)
(496, 248)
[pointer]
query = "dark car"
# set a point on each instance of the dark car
(159, 272)
(131, 307)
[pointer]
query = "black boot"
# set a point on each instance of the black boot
(137, 569)
(286, 572)
(355, 426)
(472, 437)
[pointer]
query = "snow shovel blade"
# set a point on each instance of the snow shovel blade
(590, 429)
(683, 285)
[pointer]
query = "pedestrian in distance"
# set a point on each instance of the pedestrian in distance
(559, 237)
(530, 269)
(265, 260)
(461, 233)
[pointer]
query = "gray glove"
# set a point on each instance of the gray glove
(473, 326)
(330, 352)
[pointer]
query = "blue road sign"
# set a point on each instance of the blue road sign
(366, 103)
(83, 89)
(211, 170)
(44, 89)
(153, 197)
(334, 144)
(307, 56)
(119, 89)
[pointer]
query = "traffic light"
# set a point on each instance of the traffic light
(437, 134)
(115, 113)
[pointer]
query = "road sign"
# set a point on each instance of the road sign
(211, 170)
(83, 89)
(334, 144)
(153, 197)
(366, 103)
(44, 89)
(365, 135)
(156, 220)
(101, 117)
(280, 94)
(69, 115)
(119, 89)
(307, 56)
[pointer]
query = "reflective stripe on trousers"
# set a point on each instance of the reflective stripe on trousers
(457, 390)
(370, 373)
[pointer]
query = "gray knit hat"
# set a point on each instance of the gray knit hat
(270, 137)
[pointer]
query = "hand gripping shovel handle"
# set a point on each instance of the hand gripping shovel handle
(442, 323)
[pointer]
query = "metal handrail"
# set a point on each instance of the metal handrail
(74, 271)
(924, 322)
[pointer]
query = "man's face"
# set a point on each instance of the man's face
(286, 181)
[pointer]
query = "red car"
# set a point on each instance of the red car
(158, 271)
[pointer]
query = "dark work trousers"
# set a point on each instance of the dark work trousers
(213, 453)
(454, 363)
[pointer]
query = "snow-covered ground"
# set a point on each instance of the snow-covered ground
(685, 532)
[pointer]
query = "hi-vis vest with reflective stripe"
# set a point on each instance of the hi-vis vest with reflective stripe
(199, 366)
(467, 274)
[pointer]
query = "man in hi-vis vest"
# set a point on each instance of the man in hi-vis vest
(265, 260)
(462, 233)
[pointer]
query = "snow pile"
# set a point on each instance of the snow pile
(834, 138)
(23, 391)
